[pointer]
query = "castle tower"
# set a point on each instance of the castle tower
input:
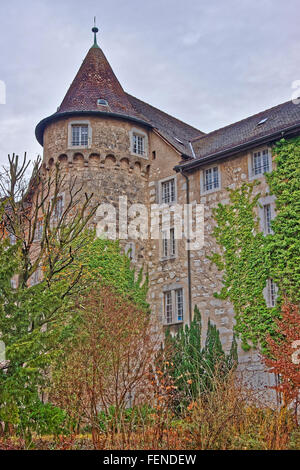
(117, 145)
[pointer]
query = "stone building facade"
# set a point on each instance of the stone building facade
(116, 145)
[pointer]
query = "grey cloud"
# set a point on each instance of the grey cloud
(208, 63)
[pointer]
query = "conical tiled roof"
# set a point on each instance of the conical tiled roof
(96, 80)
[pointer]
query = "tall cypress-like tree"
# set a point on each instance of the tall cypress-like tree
(192, 365)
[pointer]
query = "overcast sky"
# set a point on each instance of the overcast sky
(207, 62)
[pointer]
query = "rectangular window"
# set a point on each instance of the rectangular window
(165, 245)
(58, 210)
(172, 242)
(12, 238)
(267, 218)
(138, 144)
(38, 231)
(130, 250)
(211, 179)
(271, 293)
(168, 194)
(168, 243)
(260, 162)
(168, 307)
(174, 306)
(80, 135)
(36, 277)
(179, 304)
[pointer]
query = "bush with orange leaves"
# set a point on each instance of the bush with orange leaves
(284, 355)
(231, 416)
(106, 366)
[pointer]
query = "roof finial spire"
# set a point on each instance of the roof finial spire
(95, 31)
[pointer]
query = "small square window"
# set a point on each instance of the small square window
(168, 194)
(80, 135)
(138, 144)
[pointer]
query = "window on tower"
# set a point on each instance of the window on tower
(138, 144)
(80, 135)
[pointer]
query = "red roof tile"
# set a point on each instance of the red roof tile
(96, 80)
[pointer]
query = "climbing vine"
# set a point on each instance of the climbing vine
(244, 263)
(248, 258)
(284, 245)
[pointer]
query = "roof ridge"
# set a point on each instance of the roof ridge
(240, 121)
(166, 114)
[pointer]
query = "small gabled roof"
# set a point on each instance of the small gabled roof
(248, 131)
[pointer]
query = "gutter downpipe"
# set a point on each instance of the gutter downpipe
(188, 241)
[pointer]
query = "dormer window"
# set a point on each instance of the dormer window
(102, 102)
(138, 144)
(80, 135)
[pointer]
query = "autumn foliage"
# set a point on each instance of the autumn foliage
(284, 358)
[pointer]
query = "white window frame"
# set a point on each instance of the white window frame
(203, 184)
(138, 144)
(251, 159)
(70, 134)
(266, 201)
(173, 313)
(168, 244)
(134, 132)
(161, 186)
